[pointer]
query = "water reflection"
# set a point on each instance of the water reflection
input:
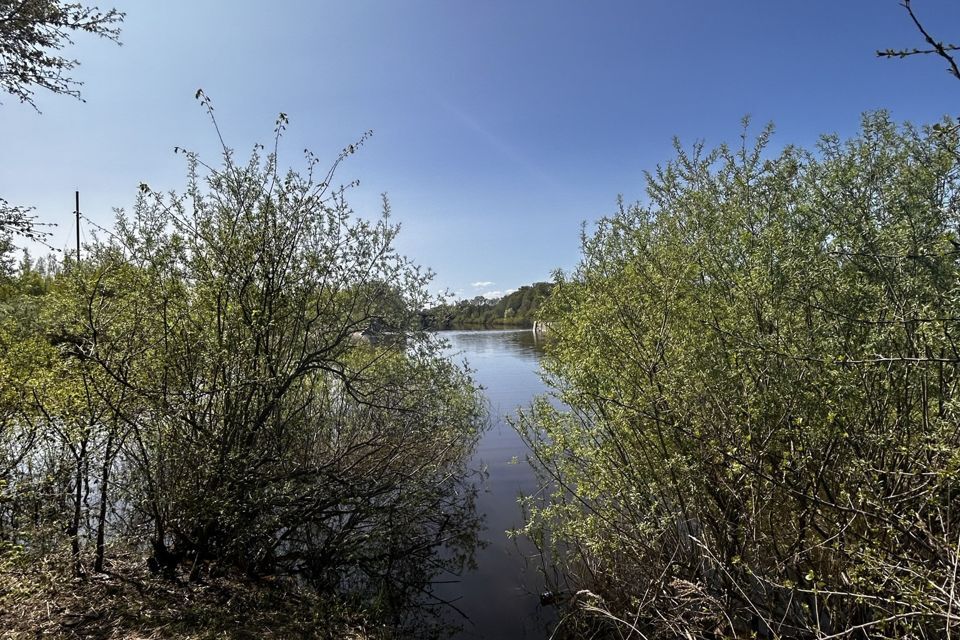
(500, 598)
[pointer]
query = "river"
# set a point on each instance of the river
(500, 597)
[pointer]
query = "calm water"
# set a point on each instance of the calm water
(500, 598)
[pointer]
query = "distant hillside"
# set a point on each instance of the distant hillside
(517, 309)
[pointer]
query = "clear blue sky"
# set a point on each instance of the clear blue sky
(499, 126)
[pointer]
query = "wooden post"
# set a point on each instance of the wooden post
(77, 212)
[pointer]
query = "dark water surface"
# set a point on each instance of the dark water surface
(500, 598)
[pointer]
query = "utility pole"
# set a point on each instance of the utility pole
(77, 212)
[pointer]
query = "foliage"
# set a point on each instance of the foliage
(761, 371)
(195, 391)
(32, 33)
(19, 221)
(519, 308)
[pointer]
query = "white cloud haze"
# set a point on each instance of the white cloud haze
(493, 295)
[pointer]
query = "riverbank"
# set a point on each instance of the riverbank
(486, 326)
(127, 601)
(517, 309)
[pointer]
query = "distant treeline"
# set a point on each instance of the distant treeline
(516, 309)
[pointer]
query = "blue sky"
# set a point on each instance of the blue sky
(499, 125)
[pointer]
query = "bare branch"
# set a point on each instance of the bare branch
(942, 49)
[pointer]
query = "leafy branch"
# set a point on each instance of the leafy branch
(32, 33)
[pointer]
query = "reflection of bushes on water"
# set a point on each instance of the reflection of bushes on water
(398, 581)
(192, 391)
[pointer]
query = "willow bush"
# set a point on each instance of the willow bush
(760, 368)
(204, 393)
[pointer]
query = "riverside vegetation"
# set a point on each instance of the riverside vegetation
(192, 441)
(757, 434)
(761, 370)
(757, 368)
